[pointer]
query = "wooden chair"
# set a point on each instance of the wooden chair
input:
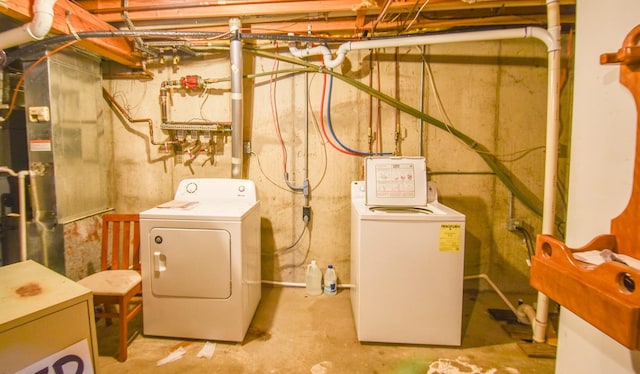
(119, 279)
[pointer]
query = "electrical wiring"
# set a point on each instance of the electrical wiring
(507, 157)
(20, 82)
(502, 173)
(132, 109)
(527, 239)
(330, 125)
(273, 182)
(517, 155)
(417, 14)
(321, 140)
(322, 126)
(206, 97)
(274, 113)
(292, 246)
(323, 147)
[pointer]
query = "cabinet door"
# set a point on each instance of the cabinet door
(42, 337)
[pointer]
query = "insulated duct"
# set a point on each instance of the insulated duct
(235, 51)
(37, 29)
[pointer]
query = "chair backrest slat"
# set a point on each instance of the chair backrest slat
(120, 246)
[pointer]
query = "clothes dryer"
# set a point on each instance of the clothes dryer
(200, 256)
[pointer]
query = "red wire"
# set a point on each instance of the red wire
(324, 132)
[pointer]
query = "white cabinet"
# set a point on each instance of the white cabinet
(43, 313)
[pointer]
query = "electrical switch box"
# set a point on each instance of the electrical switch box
(39, 114)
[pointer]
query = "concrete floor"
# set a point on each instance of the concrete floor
(295, 333)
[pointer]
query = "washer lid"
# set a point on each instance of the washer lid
(198, 210)
(429, 212)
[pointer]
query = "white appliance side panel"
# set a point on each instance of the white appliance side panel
(410, 282)
(251, 265)
(190, 262)
(355, 266)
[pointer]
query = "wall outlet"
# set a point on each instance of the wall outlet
(515, 223)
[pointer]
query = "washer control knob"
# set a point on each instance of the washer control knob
(158, 239)
(241, 188)
(191, 187)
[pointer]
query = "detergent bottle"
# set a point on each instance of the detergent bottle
(330, 281)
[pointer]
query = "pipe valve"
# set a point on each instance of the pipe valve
(192, 82)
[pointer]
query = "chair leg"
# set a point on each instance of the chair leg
(124, 335)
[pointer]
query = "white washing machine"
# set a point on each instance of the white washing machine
(200, 257)
(407, 268)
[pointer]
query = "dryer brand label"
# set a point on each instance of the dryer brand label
(450, 235)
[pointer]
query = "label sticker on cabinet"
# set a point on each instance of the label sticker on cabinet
(450, 237)
(40, 145)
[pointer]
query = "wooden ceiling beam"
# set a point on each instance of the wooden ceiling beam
(347, 29)
(67, 13)
(150, 10)
(141, 10)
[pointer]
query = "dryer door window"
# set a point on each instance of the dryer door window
(192, 263)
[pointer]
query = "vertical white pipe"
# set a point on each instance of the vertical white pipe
(37, 29)
(551, 158)
(305, 189)
(235, 50)
(22, 204)
(421, 107)
(22, 207)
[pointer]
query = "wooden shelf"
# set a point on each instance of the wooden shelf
(607, 296)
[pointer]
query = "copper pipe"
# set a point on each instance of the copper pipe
(149, 121)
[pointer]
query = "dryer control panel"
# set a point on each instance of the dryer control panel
(212, 189)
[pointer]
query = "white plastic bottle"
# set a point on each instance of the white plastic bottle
(330, 281)
(313, 279)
